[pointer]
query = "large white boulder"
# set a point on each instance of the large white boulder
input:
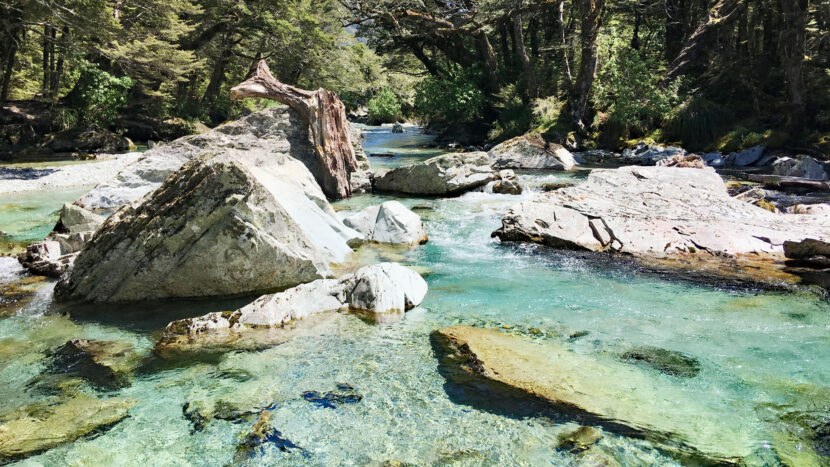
(531, 152)
(379, 290)
(449, 174)
(804, 167)
(657, 212)
(390, 222)
(225, 224)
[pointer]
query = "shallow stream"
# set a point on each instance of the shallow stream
(761, 354)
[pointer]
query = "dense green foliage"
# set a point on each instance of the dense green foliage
(452, 96)
(384, 107)
(688, 71)
(98, 96)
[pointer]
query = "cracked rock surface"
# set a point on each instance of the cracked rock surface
(656, 212)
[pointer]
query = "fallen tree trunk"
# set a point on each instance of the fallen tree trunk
(777, 181)
(326, 117)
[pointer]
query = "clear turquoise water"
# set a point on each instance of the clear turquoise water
(761, 354)
(28, 216)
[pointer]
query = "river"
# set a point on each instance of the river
(761, 354)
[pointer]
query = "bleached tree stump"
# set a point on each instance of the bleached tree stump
(326, 117)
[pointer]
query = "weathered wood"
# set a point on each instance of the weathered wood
(326, 117)
(778, 181)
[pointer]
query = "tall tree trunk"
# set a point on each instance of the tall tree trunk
(675, 22)
(591, 15)
(533, 32)
(417, 49)
(635, 36)
(217, 76)
(503, 42)
(488, 56)
(58, 74)
(560, 24)
(44, 87)
(524, 60)
(326, 117)
(723, 14)
(11, 57)
(792, 48)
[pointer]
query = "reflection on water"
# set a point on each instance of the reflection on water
(762, 359)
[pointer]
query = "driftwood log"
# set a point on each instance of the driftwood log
(326, 117)
(779, 181)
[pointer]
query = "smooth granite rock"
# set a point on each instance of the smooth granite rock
(804, 167)
(676, 214)
(447, 175)
(225, 224)
(390, 222)
(277, 130)
(531, 152)
(379, 291)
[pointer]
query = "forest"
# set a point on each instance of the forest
(708, 75)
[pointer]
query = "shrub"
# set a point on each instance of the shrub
(628, 87)
(65, 119)
(547, 111)
(452, 97)
(698, 122)
(98, 95)
(514, 117)
(384, 107)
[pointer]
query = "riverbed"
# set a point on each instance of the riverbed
(762, 354)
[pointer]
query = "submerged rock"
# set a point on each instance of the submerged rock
(657, 213)
(618, 396)
(345, 394)
(276, 130)
(531, 152)
(41, 426)
(579, 439)
(107, 364)
(666, 361)
(262, 433)
(390, 222)
(233, 223)
(379, 291)
(450, 174)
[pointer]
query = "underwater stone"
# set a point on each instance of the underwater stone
(578, 439)
(44, 425)
(107, 364)
(617, 396)
(344, 394)
(669, 362)
(262, 433)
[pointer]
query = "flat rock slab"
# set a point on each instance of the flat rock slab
(38, 427)
(657, 212)
(617, 394)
